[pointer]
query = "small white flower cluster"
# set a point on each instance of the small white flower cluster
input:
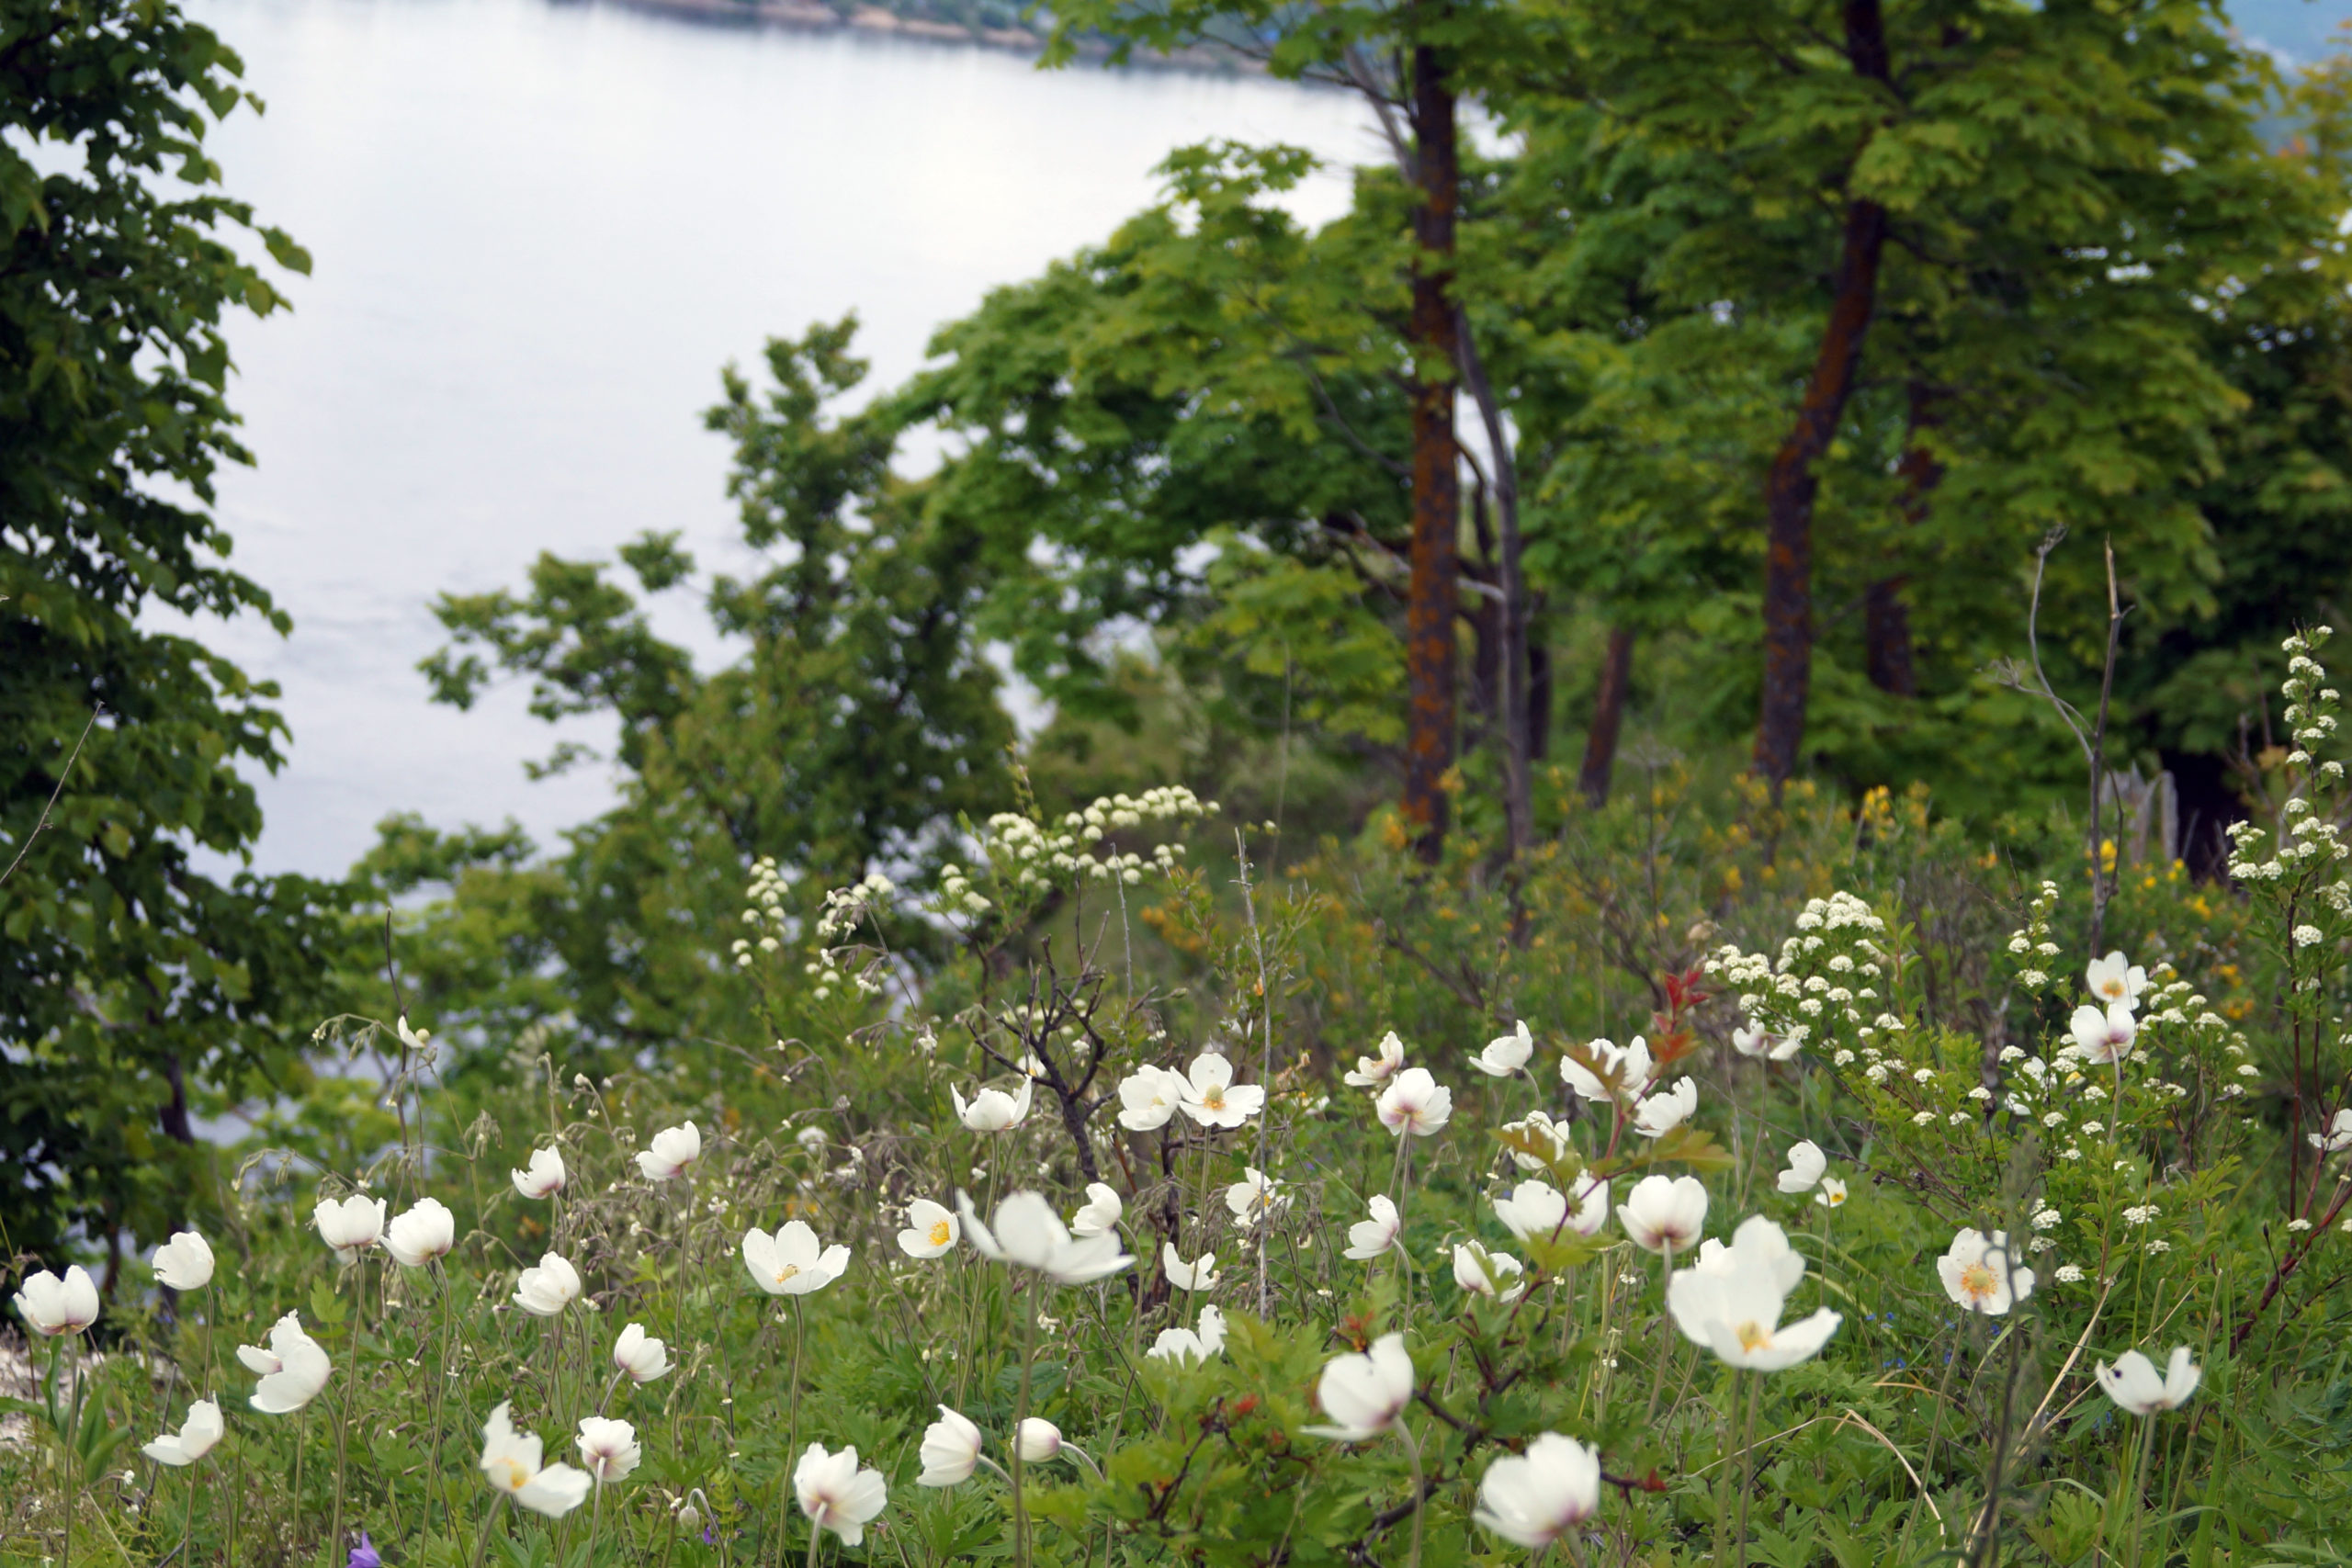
(2033, 943)
(1819, 980)
(1025, 850)
(762, 911)
(2310, 839)
(846, 906)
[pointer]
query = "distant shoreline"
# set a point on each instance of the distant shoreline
(806, 15)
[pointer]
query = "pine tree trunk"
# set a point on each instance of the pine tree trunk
(1790, 489)
(1431, 603)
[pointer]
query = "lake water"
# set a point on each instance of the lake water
(540, 230)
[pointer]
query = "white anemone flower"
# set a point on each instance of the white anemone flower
(549, 1289)
(1255, 1194)
(1372, 1071)
(2338, 1136)
(1037, 1440)
(511, 1461)
(639, 1355)
(2103, 1037)
(193, 1440)
(184, 1262)
(1832, 1194)
(1631, 1065)
(1979, 1274)
(1506, 1053)
(1369, 1238)
(1534, 1498)
(1366, 1395)
(1198, 1275)
(1496, 1275)
(608, 1448)
(1667, 1109)
(2134, 1383)
(52, 1306)
(1414, 1105)
(1532, 1209)
(1807, 1165)
(836, 1495)
(1148, 1097)
(352, 1226)
(1755, 1040)
(1212, 1099)
(792, 1262)
(1185, 1343)
(293, 1369)
(673, 1149)
(992, 1110)
(932, 1230)
(543, 1178)
(425, 1232)
(951, 1450)
(2115, 979)
(1546, 1134)
(1027, 1234)
(1664, 1214)
(1102, 1211)
(1731, 1301)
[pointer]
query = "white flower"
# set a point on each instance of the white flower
(1756, 1041)
(1415, 1105)
(1212, 1099)
(1029, 1234)
(293, 1369)
(640, 1355)
(1148, 1097)
(549, 1289)
(2102, 1036)
(1832, 1194)
(792, 1262)
(193, 1440)
(2307, 936)
(424, 1232)
(1731, 1301)
(932, 1230)
(352, 1226)
(1369, 1238)
(992, 1110)
(1540, 1130)
(1663, 1214)
(608, 1448)
(951, 1450)
(1534, 1210)
(2338, 1136)
(1256, 1193)
(1101, 1212)
(1631, 1066)
(1198, 1275)
(1366, 1395)
(673, 1150)
(1485, 1273)
(545, 1177)
(1668, 1109)
(836, 1495)
(2133, 1384)
(1183, 1344)
(1807, 1163)
(2068, 1274)
(1038, 1440)
(2114, 979)
(1505, 1055)
(1534, 1498)
(1377, 1069)
(511, 1461)
(184, 1262)
(1978, 1273)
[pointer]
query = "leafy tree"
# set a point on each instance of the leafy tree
(133, 981)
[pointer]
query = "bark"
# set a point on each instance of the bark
(1539, 701)
(1790, 489)
(1887, 615)
(1608, 718)
(1518, 744)
(1434, 594)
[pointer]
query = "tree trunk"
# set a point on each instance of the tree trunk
(1886, 617)
(1790, 489)
(1539, 701)
(1519, 743)
(1608, 718)
(1437, 499)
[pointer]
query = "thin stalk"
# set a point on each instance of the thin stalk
(816, 1534)
(73, 1428)
(1021, 1414)
(1747, 1472)
(1666, 1342)
(1413, 1457)
(342, 1405)
(481, 1539)
(595, 1521)
(188, 1525)
(2131, 1486)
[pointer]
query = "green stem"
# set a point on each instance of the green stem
(342, 1405)
(188, 1525)
(482, 1538)
(595, 1519)
(1021, 1414)
(1666, 1341)
(1747, 1472)
(1413, 1457)
(73, 1428)
(2131, 1486)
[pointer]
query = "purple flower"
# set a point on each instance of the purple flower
(365, 1554)
(710, 1534)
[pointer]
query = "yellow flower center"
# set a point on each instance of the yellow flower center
(939, 1234)
(1753, 1336)
(1978, 1283)
(1214, 1099)
(786, 1272)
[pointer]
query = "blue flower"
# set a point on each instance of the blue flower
(365, 1554)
